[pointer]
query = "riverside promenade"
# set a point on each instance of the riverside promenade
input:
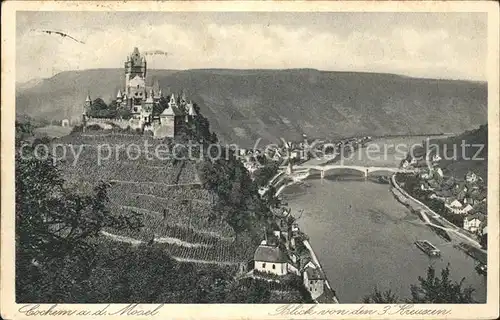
(427, 212)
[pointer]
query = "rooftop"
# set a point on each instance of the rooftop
(314, 274)
(268, 253)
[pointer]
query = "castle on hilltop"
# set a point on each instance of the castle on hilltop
(141, 101)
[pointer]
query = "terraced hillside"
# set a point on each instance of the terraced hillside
(178, 212)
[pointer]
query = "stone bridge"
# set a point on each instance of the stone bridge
(365, 170)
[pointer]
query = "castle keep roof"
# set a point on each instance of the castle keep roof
(171, 111)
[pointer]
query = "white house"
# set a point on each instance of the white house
(313, 279)
(458, 208)
(263, 190)
(439, 171)
(272, 259)
(251, 166)
(405, 164)
(467, 208)
(472, 223)
(296, 154)
(454, 206)
(65, 123)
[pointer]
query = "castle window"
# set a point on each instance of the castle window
(263, 265)
(137, 86)
(274, 267)
(140, 93)
(136, 94)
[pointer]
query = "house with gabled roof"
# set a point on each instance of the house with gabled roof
(473, 222)
(313, 279)
(271, 258)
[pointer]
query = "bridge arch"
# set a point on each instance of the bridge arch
(381, 172)
(345, 171)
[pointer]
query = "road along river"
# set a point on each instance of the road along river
(364, 237)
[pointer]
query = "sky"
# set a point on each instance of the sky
(434, 45)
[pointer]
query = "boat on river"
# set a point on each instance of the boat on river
(428, 248)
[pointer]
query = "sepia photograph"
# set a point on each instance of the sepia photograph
(219, 157)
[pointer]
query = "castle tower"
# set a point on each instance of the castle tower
(135, 65)
(135, 79)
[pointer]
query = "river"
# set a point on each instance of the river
(364, 238)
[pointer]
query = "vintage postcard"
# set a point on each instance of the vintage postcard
(250, 160)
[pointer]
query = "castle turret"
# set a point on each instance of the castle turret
(172, 103)
(119, 96)
(87, 105)
(150, 97)
(191, 110)
(183, 99)
(86, 109)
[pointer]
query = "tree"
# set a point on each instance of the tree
(99, 109)
(249, 291)
(432, 289)
(55, 227)
(23, 131)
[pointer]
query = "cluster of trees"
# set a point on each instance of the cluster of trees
(197, 130)
(265, 173)
(431, 289)
(99, 109)
(239, 202)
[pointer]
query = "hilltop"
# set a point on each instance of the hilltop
(243, 105)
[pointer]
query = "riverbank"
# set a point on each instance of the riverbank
(361, 232)
(289, 180)
(428, 214)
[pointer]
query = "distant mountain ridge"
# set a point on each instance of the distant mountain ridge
(244, 105)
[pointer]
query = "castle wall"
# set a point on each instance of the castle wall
(107, 123)
(164, 129)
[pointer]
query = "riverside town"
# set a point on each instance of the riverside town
(150, 174)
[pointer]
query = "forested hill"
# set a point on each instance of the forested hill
(243, 105)
(473, 156)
